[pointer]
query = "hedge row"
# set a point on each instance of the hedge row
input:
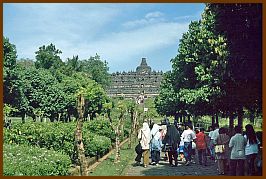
(59, 137)
(32, 161)
(100, 127)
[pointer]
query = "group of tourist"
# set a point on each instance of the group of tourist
(229, 151)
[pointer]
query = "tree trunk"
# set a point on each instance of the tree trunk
(122, 130)
(130, 139)
(134, 120)
(213, 120)
(121, 125)
(252, 117)
(176, 117)
(117, 148)
(59, 117)
(109, 115)
(240, 114)
(132, 129)
(24, 118)
(231, 122)
(118, 133)
(135, 125)
(78, 138)
(34, 118)
(68, 117)
(216, 119)
(188, 118)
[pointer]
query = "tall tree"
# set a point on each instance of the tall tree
(121, 107)
(70, 85)
(131, 109)
(95, 98)
(42, 91)
(47, 57)
(97, 69)
(199, 67)
(167, 102)
(242, 26)
(73, 65)
(12, 85)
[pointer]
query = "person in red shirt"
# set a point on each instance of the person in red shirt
(201, 145)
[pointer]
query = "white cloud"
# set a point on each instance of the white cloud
(65, 25)
(155, 14)
(150, 18)
(85, 30)
(62, 21)
(118, 47)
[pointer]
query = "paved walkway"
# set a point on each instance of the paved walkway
(164, 169)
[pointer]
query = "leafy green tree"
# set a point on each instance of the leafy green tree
(12, 85)
(218, 67)
(42, 92)
(108, 106)
(7, 110)
(97, 69)
(70, 86)
(10, 54)
(194, 85)
(168, 102)
(72, 65)
(200, 66)
(26, 63)
(241, 24)
(95, 98)
(149, 103)
(47, 57)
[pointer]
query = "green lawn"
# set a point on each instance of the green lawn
(109, 168)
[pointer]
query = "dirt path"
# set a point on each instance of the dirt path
(163, 169)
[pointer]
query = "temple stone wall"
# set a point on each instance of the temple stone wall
(132, 84)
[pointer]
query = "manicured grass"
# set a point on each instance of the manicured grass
(109, 168)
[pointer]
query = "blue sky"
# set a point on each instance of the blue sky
(120, 33)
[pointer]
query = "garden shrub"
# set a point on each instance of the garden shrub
(56, 136)
(98, 136)
(100, 127)
(60, 136)
(33, 161)
(96, 145)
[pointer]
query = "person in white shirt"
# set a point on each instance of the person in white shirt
(213, 137)
(215, 132)
(252, 148)
(211, 144)
(188, 136)
(237, 159)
